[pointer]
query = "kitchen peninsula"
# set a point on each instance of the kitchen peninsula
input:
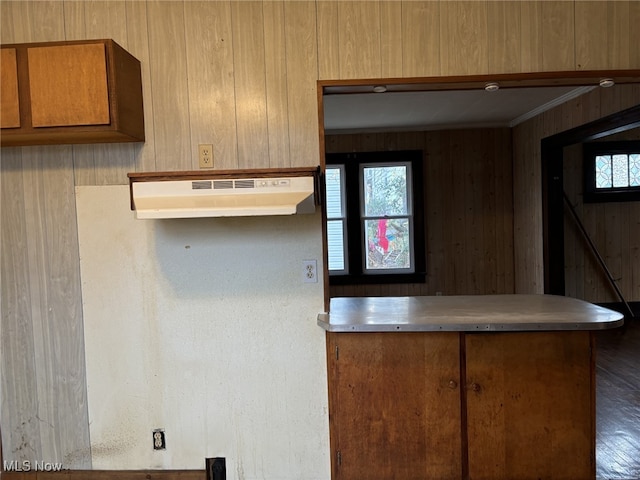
(455, 387)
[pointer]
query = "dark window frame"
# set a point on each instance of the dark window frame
(615, 194)
(354, 234)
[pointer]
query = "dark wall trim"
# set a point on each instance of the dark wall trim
(552, 187)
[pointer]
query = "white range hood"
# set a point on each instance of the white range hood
(223, 193)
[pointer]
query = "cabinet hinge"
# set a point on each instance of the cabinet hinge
(339, 457)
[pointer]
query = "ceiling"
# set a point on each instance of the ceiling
(347, 112)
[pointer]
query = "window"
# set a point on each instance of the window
(612, 171)
(375, 226)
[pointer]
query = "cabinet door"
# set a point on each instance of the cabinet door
(10, 104)
(394, 405)
(530, 406)
(68, 85)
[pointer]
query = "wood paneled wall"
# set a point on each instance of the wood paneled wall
(614, 228)
(528, 247)
(468, 209)
(242, 76)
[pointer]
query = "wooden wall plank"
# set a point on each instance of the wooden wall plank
(602, 35)
(449, 181)
(463, 38)
(20, 427)
(591, 35)
(462, 209)
(302, 58)
(612, 222)
(622, 248)
(209, 41)
(527, 213)
(35, 219)
(531, 39)
(615, 99)
(504, 201)
(276, 83)
(589, 106)
(574, 242)
(485, 191)
(359, 34)
(249, 68)
(107, 19)
(435, 208)
(391, 34)
(421, 47)
(54, 268)
(84, 164)
(138, 46)
(74, 21)
(327, 40)
(621, 40)
(7, 32)
(634, 21)
(42, 21)
(558, 36)
(167, 58)
(634, 251)
(503, 37)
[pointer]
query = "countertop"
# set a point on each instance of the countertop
(466, 313)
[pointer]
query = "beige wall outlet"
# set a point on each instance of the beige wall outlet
(205, 154)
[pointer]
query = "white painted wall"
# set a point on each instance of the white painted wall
(202, 327)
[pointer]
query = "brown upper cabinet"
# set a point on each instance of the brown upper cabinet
(70, 92)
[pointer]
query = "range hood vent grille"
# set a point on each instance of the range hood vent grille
(245, 183)
(201, 185)
(222, 184)
(236, 194)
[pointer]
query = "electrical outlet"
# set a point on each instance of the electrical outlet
(205, 154)
(159, 442)
(216, 468)
(309, 271)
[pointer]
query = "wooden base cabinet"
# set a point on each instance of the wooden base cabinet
(70, 92)
(450, 405)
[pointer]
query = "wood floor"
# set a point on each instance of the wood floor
(618, 403)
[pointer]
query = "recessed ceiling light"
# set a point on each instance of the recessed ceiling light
(607, 82)
(492, 87)
(379, 89)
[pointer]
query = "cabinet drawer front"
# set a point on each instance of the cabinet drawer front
(68, 85)
(10, 105)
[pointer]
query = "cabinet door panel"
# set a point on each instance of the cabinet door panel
(395, 405)
(68, 85)
(10, 104)
(530, 408)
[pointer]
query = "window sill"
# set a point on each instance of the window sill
(380, 279)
